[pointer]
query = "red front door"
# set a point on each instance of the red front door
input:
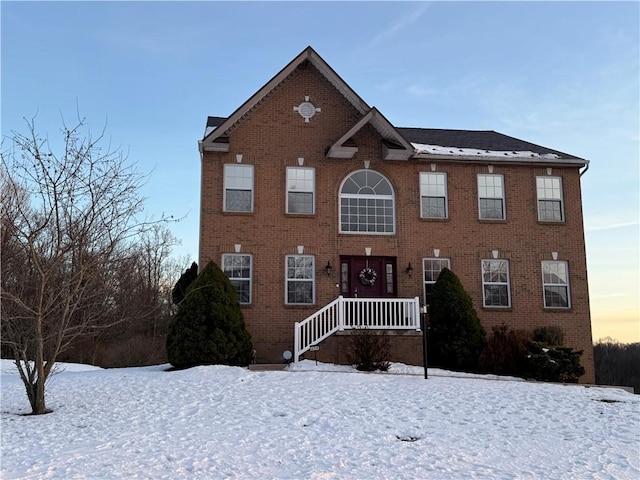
(368, 277)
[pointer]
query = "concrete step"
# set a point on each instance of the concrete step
(265, 367)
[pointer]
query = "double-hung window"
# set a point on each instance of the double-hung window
(555, 284)
(495, 283)
(550, 208)
(300, 279)
(431, 268)
(491, 197)
(433, 195)
(300, 190)
(238, 188)
(238, 268)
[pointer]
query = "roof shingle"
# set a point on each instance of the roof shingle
(476, 139)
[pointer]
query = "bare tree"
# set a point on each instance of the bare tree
(68, 221)
(143, 294)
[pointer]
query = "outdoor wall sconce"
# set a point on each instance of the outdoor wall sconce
(409, 269)
(328, 269)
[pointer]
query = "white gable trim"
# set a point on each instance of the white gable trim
(386, 130)
(308, 54)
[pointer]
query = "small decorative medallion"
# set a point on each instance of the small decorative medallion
(306, 109)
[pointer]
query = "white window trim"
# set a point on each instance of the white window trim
(504, 203)
(224, 255)
(224, 199)
(313, 191)
(566, 285)
(561, 199)
(508, 283)
(424, 282)
(312, 280)
(391, 197)
(446, 194)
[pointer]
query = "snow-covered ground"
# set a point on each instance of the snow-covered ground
(319, 422)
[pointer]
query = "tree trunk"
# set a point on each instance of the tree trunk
(38, 406)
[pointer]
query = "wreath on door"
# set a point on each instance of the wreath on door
(368, 276)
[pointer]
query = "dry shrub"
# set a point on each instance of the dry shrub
(505, 352)
(369, 351)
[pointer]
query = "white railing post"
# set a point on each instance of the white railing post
(416, 313)
(340, 312)
(296, 342)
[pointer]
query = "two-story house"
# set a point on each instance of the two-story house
(325, 217)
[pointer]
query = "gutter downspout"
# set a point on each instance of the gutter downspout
(201, 150)
(586, 167)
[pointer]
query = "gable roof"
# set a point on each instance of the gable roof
(307, 55)
(395, 146)
(398, 142)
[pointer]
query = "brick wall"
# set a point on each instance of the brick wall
(273, 136)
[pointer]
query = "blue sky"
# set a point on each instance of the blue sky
(560, 74)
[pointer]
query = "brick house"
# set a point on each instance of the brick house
(327, 217)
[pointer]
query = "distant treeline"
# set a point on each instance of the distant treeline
(617, 363)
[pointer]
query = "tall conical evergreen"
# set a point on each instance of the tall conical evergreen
(209, 326)
(181, 286)
(456, 337)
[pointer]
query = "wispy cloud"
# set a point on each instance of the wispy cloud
(611, 295)
(591, 227)
(469, 87)
(422, 90)
(399, 24)
(166, 41)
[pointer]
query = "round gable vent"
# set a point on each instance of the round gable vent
(306, 109)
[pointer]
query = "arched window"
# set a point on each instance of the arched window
(367, 204)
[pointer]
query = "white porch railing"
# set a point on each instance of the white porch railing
(349, 313)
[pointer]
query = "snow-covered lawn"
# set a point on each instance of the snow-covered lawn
(321, 423)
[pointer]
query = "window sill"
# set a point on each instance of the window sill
(556, 224)
(497, 308)
(491, 220)
(434, 219)
(242, 214)
(374, 234)
(300, 215)
(557, 309)
(300, 306)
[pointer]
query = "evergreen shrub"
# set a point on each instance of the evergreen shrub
(548, 335)
(180, 289)
(456, 337)
(208, 327)
(553, 363)
(538, 355)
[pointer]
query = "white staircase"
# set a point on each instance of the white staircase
(350, 313)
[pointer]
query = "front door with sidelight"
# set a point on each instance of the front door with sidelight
(367, 277)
